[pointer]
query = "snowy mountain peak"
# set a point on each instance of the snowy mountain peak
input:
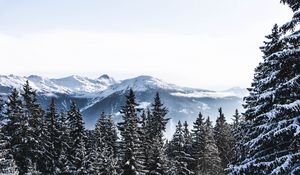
(104, 76)
(86, 87)
(106, 80)
(145, 82)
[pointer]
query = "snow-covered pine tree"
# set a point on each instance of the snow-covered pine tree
(188, 141)
(210, 162)
(224, 139)
(236, 119)
(77, 152)
(144, 137)
(239, 128)
(179, 158)
(158, 117)
(112, 135)
(157, 122)
(130, 143)
(198, 142)
(90, 151)
(103, 154)
(15, 132)
(7, 163)
(52, 145)
(64, 162)
(34, 117)
(273, 107)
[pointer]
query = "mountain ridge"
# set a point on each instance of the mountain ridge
(76, 84)
(105, 94)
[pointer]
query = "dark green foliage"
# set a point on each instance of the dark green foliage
(15, 131)
(224, 139)
(130, 143)
(155, 127)
(103, 153)
(177, 149)
(33, 115)
(7, 163)
(77, 150)
(198, 142)
(52, 139)
(271, 126)
(210, 162)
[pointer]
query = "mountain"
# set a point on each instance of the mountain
(105, 94)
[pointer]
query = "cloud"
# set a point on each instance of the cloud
(192, 60)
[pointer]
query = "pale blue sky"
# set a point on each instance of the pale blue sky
(206, 44)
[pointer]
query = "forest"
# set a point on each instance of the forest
(34, 141)
(263, 140)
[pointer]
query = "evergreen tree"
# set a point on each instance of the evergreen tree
(157, 122)
(15, 131)
(130, 143)
(105, 139)
(236, 119)
(210, 162)
(144, 136)
(53, 144)
(272, 108)
(178, 155)
(77, 150)
(224, 139)
(64, 162)
(198, 142)
(90, 151)
(188, 141)
(7, 163)
(33, 115)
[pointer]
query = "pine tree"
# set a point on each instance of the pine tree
(105, 138)
(64, 162)
(33, 114)
(224, 139)
(239, 135)
(158, 114)
(272, 109)
(15, 131)
(178, 155)
(157, 122)
(7, 163)
(130, 143)
(210, 162)
(90, 151)
(188, 141)
(198, 142)
(144, 137)
(77, 150)
(236, 119)
(52, 145)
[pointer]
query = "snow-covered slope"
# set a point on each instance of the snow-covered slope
(105, 85)
(72, 85)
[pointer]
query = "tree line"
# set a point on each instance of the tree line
(34, 141)
(264, 140)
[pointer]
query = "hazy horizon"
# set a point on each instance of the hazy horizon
(200, 44)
